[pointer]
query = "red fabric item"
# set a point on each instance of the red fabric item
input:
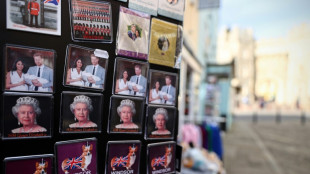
(34, 8)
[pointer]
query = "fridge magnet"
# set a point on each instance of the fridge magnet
(161, 158)
(80, 112)
(163, 43)
(76, 156)
(130, 77)
(126, 115)
(133, 33)
(85, 67)
(162, 87)
(28, 115)
(160, 122)
(123, 157)
(36, 164)
(146, 6)
(171, 8)
(91, 20)
(28, 69)
(39, 16)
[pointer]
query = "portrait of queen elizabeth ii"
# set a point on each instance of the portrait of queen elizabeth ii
(26, 110)
(160, 122)
(160, 119)
(27, 115)
(126, 114)
(126, 110)
(81, 108)
(84, 113)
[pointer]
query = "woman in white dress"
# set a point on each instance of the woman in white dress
(74, 74)
(15, 78)
(122, 84)
(154, 96)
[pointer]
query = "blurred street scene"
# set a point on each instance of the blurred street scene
(245, 87)
(267, 147)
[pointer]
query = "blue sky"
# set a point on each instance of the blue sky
(267, 18)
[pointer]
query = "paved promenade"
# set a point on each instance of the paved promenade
(267, 147)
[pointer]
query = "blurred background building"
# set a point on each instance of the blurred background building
(237, 45)
(200, 28)
(246, 59)
(282, 69)
(246, 73)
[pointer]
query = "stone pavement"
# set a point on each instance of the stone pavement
(267, 147)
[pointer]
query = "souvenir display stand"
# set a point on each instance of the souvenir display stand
(62, 93)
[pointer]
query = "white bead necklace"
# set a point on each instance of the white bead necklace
(22, 130)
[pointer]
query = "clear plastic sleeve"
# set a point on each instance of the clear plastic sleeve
(91, 21)
(133, 33)
(27, 115)
(126, 115)
(163, 87)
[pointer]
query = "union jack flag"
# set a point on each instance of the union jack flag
(160, 161)
(120, 162)
(74, 163)
(56, 2)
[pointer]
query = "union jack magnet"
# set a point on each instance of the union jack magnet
(161, 158)
(76, 156)
(123, 157)
(37, 164)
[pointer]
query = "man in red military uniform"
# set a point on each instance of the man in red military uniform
(34, 9)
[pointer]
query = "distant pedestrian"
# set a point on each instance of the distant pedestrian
(297, 104)
(262, 103)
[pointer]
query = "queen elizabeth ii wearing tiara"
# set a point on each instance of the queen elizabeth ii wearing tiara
(26, 111)
(126, 110)
(81, 107)
(160, 119)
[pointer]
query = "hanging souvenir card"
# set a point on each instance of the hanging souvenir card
(39, 16)
(29, 69)
(161, 158)
(36, 164)
(126, 115)
(133, 33)
(163, 88)
(80, 112)
(163, 42)
(27, 115)
(85, 67)
(146, 6)
(130, 77)
(76, 156)
(123, 157)
(171, 8)
(160, 122)
(91, 21)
